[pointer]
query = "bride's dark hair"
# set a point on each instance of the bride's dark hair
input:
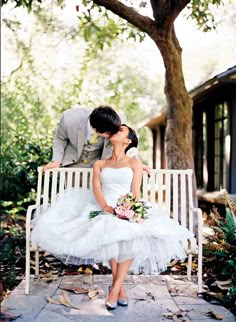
(133, 137)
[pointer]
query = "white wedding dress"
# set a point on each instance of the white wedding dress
(66, 231)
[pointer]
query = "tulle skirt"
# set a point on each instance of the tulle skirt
(66, 231)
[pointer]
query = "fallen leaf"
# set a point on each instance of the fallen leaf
(227, 282)
(92, 293)
(53, 301)
(46, 275)
(214, 295)
(88, 271)
(214, 315)
(77, 290)
(65, 299)
(174, 316)
(174, 262)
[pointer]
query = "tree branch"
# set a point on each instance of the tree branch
(144, 23)
(164, 12)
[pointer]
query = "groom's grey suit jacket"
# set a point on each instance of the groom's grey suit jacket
(70, 137)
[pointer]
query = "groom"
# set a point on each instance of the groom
(82, 137)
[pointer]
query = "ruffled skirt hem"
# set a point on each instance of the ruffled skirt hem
(149, 256)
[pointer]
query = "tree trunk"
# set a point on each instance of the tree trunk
(178, 135)
(179, 106)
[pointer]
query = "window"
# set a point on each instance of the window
(212, 146)
(200, 137)
(221, 130)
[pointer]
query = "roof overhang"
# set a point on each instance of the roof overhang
(153, 122)
(227, 77)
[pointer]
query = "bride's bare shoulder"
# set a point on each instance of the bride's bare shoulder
(135, 162)
(99, 164)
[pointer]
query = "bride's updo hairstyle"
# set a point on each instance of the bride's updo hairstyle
(133, 137)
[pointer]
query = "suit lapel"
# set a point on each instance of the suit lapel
(82, 131)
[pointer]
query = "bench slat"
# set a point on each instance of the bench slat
(175, 197)
(183, 198)
(54, 186)
(62, 178)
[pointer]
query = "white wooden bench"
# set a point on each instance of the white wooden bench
(172, 189)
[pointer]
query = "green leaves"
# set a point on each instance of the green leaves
(100, 28)
(201, 12)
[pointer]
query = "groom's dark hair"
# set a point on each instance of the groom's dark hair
(133, 137)
(105, 119)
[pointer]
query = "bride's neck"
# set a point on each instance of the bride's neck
(118, 152)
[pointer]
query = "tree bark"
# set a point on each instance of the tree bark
(179, 111)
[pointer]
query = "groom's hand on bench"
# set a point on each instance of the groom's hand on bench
(147, 169)
(51, 165)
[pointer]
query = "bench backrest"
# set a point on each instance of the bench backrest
(172, 189)
(55, 181)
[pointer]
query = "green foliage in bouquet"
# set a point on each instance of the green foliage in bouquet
(128, 207)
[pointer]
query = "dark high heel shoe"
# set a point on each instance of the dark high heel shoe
(111, 306)
(122, 302)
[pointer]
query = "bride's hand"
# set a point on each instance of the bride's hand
(108, 209)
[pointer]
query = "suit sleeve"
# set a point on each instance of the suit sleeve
(60, 141)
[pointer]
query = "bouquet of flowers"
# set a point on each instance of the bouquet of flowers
(128, 208)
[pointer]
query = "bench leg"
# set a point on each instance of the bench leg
(37, 263)
(199, 273)
(27, 267)
(189, 269)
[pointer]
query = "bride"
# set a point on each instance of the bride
(66, 230)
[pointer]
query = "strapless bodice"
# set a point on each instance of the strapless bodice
(115, 182)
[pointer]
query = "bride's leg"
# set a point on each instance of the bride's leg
(113, 264)
(122, 269)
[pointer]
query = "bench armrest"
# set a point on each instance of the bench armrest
(198, 226)
(28, 219)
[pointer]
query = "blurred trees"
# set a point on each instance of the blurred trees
(50, 68)
(160, 28)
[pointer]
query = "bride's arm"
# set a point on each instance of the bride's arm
(137, 177)
(97, 188)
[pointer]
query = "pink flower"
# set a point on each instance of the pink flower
(131, 209)
(127, 205)
(130, 213)
(120, 210)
